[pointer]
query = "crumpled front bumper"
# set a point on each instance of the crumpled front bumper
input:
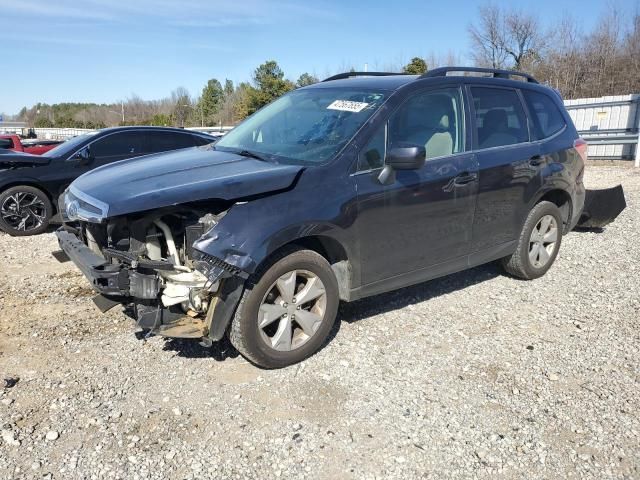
(107, 278)
(122, 283)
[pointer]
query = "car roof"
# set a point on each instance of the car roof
(387, 82)
(394, 81)
(151, 129)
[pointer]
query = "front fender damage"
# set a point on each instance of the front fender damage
(221, 244)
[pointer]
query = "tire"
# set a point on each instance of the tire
(525, 262)
(24, 210)
(263, 290)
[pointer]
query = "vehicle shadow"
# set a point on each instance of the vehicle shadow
(350, 312)
(189, 348)
(588, 230)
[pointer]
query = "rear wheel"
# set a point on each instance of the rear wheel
(538, 244)
(24, 210)
(287, 310)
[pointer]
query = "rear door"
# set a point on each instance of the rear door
(509, 164)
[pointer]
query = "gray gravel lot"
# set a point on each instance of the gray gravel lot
(476, 375)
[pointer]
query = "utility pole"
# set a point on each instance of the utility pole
(122, 105)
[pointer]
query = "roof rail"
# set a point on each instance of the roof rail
(497, 73)
(340, 76)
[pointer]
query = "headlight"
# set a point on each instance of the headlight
(80, 206)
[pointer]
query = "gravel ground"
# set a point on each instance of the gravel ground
(476, 375)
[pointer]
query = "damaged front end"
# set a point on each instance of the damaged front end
(147, 262)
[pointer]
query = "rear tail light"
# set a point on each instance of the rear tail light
(581, 147)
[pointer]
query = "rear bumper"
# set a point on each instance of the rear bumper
(601, 207)
(577, 202)
(107, 278)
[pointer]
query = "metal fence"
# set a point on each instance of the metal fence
(60, 133)
(610, 125)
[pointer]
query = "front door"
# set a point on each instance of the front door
(424, 217)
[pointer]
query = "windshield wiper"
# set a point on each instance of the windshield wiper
(252, 154)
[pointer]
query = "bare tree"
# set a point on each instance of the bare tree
(523, 41)
(181, 105)
(505, 40)
(488, 38)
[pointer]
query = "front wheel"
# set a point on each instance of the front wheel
(538, 244)
(287, 310)
(24, 210)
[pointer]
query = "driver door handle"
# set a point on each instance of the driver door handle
(464, 179)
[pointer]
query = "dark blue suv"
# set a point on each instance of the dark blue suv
(351, 187)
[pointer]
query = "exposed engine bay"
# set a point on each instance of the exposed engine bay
(149, 259)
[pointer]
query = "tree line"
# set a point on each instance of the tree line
(602, 61)
(218, 104)
(580, 64)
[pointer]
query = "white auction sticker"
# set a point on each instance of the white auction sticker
(347, 106)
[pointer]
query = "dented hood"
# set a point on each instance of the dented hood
(182, 176)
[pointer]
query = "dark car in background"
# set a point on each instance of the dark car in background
(351, 187)
(31, 184)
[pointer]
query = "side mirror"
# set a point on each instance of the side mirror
(411, 157)
(83, 156)
(406, 158)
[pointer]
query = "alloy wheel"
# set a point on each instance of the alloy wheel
(292, 310)
(543, 241)
(23, 211)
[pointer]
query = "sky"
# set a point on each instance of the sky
(107, 50)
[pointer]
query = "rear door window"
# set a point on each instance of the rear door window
(500, 117)
(547, 118)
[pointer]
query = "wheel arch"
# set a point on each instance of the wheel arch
(332, 250)
(562, 199)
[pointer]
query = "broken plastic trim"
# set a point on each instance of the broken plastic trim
(213, 268)
(601, 207)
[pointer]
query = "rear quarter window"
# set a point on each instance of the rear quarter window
(547, 118)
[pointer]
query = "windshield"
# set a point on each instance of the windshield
(306, 126)
(65, 148)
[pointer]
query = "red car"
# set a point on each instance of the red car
(35, 146)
